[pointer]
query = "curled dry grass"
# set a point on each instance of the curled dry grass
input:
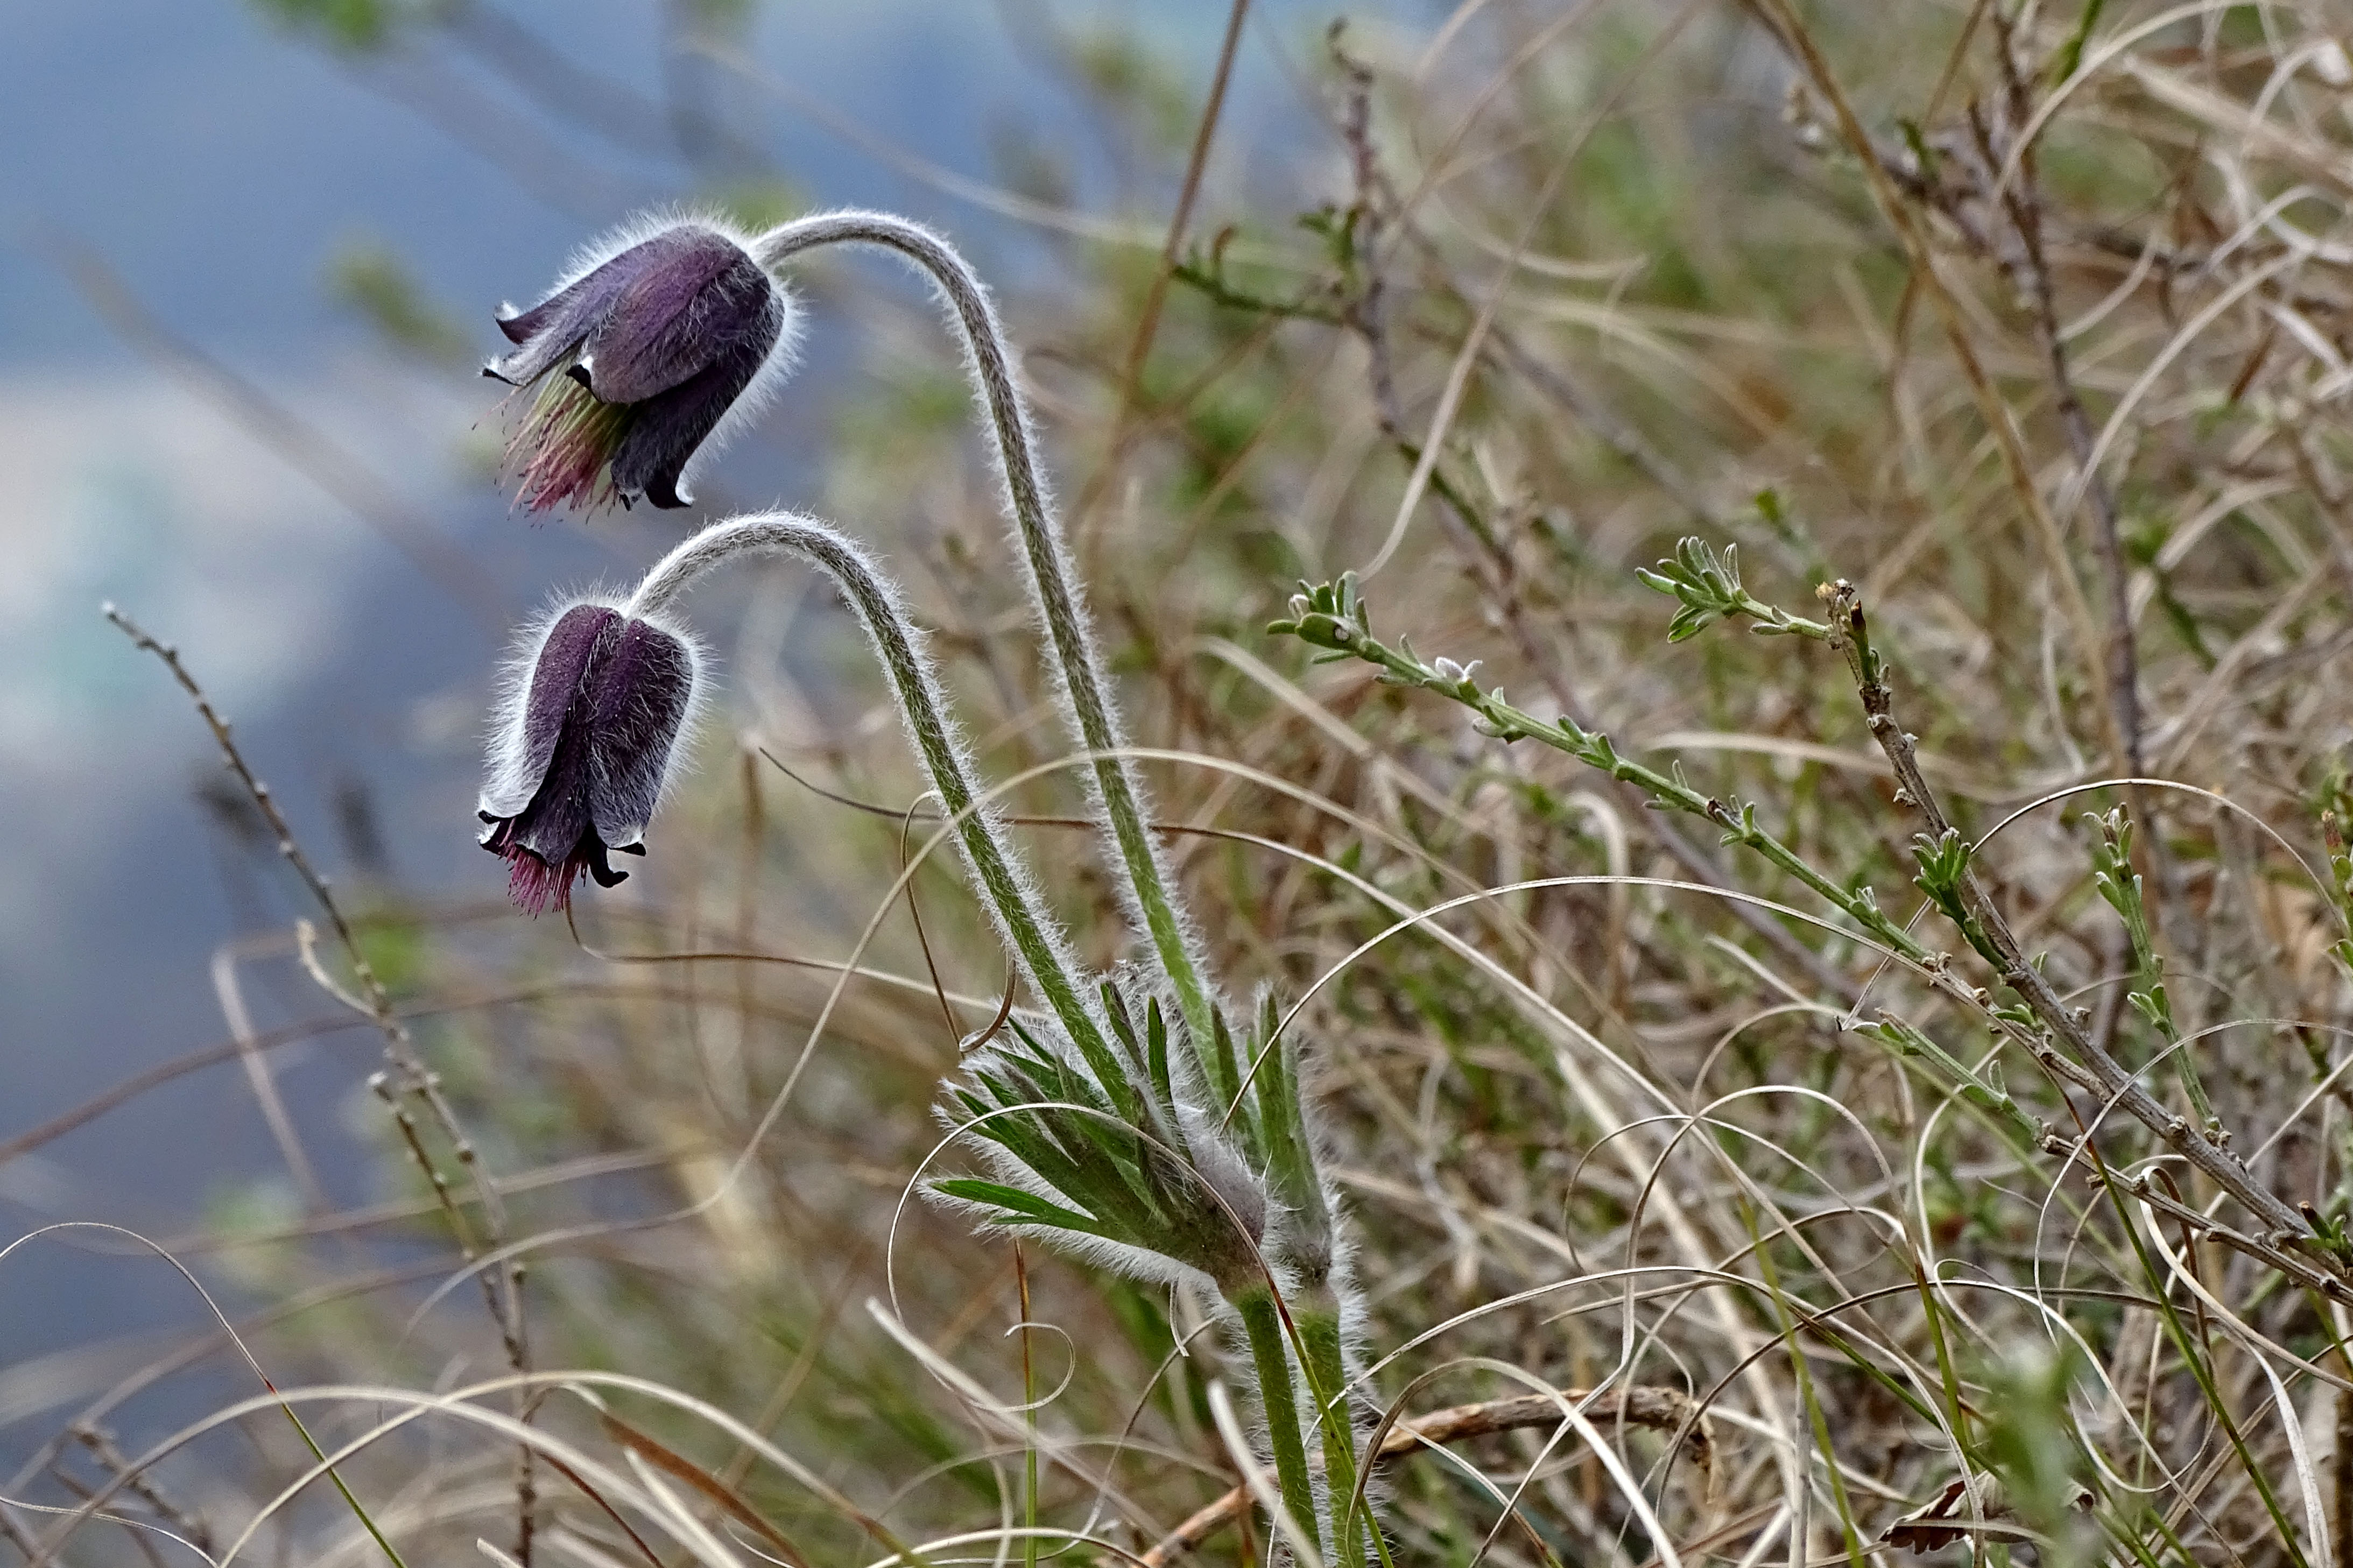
(2033, 328)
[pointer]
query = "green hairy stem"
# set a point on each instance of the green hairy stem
(1263, 1323)
(1327, 1379)
(1093, 721)
(925, 708)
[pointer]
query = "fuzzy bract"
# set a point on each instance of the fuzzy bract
(1106, 1152)
(583, 748)
(640, 357)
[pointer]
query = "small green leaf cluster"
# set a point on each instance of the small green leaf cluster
(1101, 1127)
(1981, 1087)
(1706, 586)
(2336, 810)
(1328, 616)
(1944, 865)
(1178, 1160)
(2120, 886)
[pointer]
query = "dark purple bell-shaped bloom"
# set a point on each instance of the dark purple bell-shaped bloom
(583, 748)
(640, 356)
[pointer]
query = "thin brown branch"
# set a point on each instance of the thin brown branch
(103, 1447)
(671, 1462)
(299, 444)
(2031, 272)
(2202, 1147)
(1783, 22)
(1148, 321)
(502, 1292)
(1489, 558)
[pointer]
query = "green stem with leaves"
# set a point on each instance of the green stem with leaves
(2120, 885)
(1333, 616)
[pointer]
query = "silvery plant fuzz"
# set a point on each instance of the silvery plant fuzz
(584, 741)
(652, 350)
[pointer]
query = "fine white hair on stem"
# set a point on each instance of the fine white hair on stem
(1308, 1242)
(1082, 693)
(1010, 892)
(1088, 707)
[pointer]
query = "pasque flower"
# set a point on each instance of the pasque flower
(582, 748)
(651, 345)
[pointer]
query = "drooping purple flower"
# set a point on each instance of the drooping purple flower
(582, 749)
(641, 355)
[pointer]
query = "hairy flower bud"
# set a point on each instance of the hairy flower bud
(642, 355)
(582, 748)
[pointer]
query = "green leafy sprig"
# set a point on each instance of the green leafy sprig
(1333, 616)
(2120, 886)
(1706, 585)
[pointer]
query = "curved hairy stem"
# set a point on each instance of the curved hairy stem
(1011, 893)
(1093, 721)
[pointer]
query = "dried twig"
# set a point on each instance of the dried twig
(1365, 314)
(299, 443)
(2288, 1241)
(1789, 29)
(502, 1293)
(2030, 271)
(1659, 1409)
(103, 1447)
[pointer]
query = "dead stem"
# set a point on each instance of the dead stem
(503, 1292)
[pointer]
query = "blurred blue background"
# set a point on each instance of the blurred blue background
(192, 197)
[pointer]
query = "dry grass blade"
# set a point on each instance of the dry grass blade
(1660, 1409)
(671, 1462)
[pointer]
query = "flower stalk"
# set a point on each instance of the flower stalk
(1326, 1364)
(1010, 893)
(1105, 1141)
(1302, 1242)
(1200, 1167)
(1093, 719)
(1263, 1325)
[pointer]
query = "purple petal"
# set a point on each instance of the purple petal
(558, 738)
(607, 698)
(653, 451)
(560, 676)
(555, 326)
(552, 826)
(642, 694)
(699, 297)
(520, 326)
